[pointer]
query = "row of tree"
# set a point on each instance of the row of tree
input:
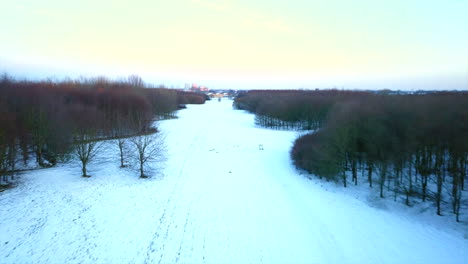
(408, 145)
(48, 120)
(291, 109)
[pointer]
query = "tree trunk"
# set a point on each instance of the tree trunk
(142, 174)
(463, 172)
(39, 158)
(354, 170)
(454, 185)
(396, 185)
(409, 190)
(83, 168)
(424, 186)
(439, 192)
(456, 190)
(344, 177)
(142, 162)
(383, 174)
(438, 170)
(369, 174)
(410, 176)
(457, 206)
(407, 197)
(121, 146)
(457, 197)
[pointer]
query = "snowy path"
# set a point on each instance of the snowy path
(219, 199)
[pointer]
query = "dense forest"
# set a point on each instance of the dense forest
(48, 120)
(409, 146)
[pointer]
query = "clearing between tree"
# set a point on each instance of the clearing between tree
(227, 193)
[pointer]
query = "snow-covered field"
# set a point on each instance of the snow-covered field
(216, 199)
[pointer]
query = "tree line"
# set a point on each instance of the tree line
(408, 146)
(48, 120)
(291, 109)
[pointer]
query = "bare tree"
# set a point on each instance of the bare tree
(120, 131)
(122, 143)
(37, 122)
(88, 128)
(148, 148)
(4, 166)
(136, 81)
(86, 148)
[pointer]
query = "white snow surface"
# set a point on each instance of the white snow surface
(216, 199)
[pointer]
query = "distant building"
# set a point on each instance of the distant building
(216, 95)
(196, 88)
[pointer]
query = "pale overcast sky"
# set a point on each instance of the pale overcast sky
(396, 44)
